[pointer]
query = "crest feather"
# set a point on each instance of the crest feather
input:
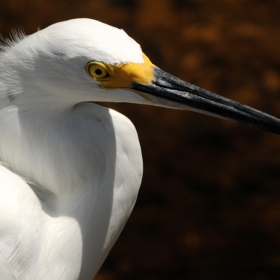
(15, 36)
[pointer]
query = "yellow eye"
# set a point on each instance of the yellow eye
(97, 70)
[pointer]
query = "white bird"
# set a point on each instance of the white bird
(71, 169)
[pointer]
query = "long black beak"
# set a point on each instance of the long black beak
(171, 88)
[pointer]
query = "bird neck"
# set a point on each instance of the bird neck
(34, 126)
(28, 143)
(84, 162)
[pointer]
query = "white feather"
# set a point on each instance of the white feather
(71, 171)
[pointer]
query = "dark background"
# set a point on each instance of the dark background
(209, 205)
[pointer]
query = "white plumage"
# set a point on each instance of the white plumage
(71, 169)
(69, 154)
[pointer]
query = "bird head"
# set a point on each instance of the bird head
(86, 60)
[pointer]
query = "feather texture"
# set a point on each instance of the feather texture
(70, 169)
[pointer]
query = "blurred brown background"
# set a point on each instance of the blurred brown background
(209, 205)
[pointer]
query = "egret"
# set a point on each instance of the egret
(71, 169)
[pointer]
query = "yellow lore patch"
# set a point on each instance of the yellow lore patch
(122, 76)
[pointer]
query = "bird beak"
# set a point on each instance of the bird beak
(168, 90)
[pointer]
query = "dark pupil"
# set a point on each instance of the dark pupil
(98, 71)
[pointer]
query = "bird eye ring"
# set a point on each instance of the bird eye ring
(97, 70)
